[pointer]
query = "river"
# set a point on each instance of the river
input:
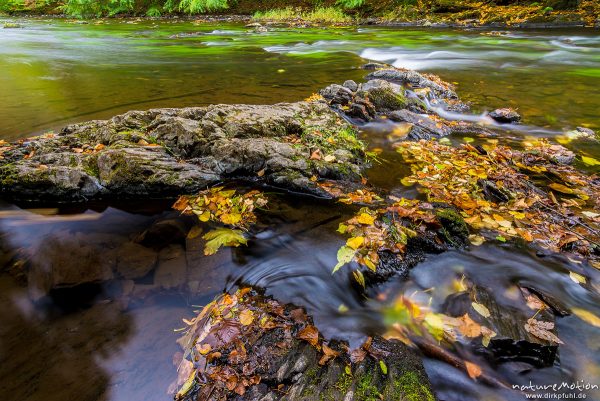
(114, 339)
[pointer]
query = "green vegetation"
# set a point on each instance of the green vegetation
(330, 11)
(330, 15)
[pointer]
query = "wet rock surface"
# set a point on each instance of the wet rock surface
(164, 152)
(513, 343)
(505, 116)
(262, 350)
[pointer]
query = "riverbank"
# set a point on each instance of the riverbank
(436, 13)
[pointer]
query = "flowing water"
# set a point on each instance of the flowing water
(112, 338)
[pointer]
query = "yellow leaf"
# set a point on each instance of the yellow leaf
(360, 279)
(561, 188)
(369, 263)
(476, 240)
(590, 161)
(578, 278)
(587, 316)
(246, 317)
(365, 218)
(194, 232)
(481, 309)
(355, 242)
(517, 215)
(345, 255)
(204, 216)
(231, 218)
(222, 237)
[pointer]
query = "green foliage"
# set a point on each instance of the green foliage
(200, 6)
(329, 15)
(153, 12)
(350, 4)
(8, 6)
(88, 8)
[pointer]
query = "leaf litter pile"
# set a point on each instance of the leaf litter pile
(249, 344)
(532, 194)
(219, 205)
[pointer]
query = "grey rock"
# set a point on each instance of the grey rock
(164, 152)
(65, 260)
(383, 95)
(163, 232)
(505, 115)
(414, 79)
(337, 94)
(423, 127)
(350, 84)
(172, 267)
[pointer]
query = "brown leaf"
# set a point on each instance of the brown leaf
(328, 354)
(468, 327)
(309, 334)
(541, 330)
(473, 370)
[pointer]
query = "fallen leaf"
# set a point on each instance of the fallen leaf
(587, 316)
(344, 255)
(590, 161)
(561, 188)
(541, 329)
(577, 278)
(223, 237)
(468, 327)
(309, 334)
(481, 309)
(328, 354)
(246, 317)
(355, 242)
(473, 370)
(476, 240)
(365, 218)
(383, 367)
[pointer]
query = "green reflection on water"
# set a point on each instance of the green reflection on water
(55, 72)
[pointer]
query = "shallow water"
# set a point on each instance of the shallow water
(114, 340)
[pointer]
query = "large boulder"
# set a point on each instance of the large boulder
(164, 152)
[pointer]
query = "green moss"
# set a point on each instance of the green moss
(344, 382)
(90, 166)
(366, 390)
(331, 140)
(454, 229)
(409, 388)
(384, 99)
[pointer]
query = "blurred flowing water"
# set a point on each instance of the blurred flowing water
(110, 337)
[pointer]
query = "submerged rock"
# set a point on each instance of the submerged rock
(513, 342)
(164, 152)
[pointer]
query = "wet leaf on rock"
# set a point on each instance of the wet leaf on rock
(481, 309)
(541, 330)
(309, 334)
